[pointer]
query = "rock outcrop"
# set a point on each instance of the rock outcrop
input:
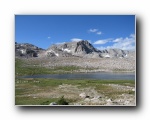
(81, 54)
(27, 50)
(80, 48)
(83, 49)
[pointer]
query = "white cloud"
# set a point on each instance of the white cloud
(99, 33)
(96, 31)
(93, 30)
(102, 41)
(117, 40)
(127, 43)
(59, 43)
(76, 39)
(132, 35)
(48, 37)
(101, 48)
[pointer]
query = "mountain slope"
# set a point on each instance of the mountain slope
(83, 49)
(27, 50)
(80, 48)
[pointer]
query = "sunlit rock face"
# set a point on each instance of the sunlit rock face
(26, 50)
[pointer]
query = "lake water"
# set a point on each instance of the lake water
(98, 76)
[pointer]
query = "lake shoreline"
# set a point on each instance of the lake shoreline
(93, 76)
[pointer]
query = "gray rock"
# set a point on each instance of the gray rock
(87, 100)
(133, 89)
(82, 95)
(109, 100)
(53, 103)
(81, 48)
(97, 97)
(26, 50)
(84, 49)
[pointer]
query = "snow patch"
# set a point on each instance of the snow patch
(66, 49)
(56, 54)
(23, 51)
(107, 56)
(51, 51)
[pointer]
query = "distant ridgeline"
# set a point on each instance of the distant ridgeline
(27, 50)
(70, 49)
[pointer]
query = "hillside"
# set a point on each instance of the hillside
(83, 49)
(81, 54)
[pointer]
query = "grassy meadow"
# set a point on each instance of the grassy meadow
(43, 91)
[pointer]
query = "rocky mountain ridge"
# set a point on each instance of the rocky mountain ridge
(27, 50)
(80, 54)
(84, 49)
(70, 49)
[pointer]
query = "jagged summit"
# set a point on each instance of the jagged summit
(74, 48)
(70, 49)
(83, 49)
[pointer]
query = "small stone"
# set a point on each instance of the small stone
(77, 104)
(133, 89)
(95, 100)
(53, 103)
(109, 100)
(87, 100)
(109, 103)
(97, 97)
(82, 95)
(126, 102)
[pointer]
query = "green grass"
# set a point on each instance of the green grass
(25, 88)
(34, 101)
(46, 82)
(22, 68)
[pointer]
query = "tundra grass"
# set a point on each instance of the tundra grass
(22, 68)
(27, 88)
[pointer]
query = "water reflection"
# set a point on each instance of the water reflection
(98, 76)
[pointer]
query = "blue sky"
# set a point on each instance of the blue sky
(103, 31)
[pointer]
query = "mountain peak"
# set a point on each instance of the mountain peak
(81, 48)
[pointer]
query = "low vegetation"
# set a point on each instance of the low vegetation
(39, 91)
(22, 68)
(42, 91)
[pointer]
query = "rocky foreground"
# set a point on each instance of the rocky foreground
(90, 96)
(75, 92)
(86, 65)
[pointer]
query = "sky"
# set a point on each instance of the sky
(102, 31)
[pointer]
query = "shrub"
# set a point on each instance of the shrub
(62, 101)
